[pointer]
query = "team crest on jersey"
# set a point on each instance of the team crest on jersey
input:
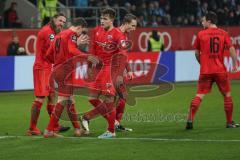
(74, 39)
(123, 44)
(108, 85)
(51, 37)
(109, 37)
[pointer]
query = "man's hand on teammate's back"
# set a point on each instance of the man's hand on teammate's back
(93, 60)
(130, 75)
(234, 69)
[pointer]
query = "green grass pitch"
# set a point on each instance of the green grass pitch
(158, 125)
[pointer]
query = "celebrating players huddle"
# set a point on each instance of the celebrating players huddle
(108, 55)
(108, 49)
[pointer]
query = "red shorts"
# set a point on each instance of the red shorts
(41, 82)
(63, 79)
(104, 82)
(206, 81)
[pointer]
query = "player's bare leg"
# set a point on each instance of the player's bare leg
(195, 103)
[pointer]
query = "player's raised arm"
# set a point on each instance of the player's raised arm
(73, 44)
(78, 36)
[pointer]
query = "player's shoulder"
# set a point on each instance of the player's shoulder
(46, 32)
(202, 32)
(97, 28)
(117, 30)
(46, 29)
(69, 34)
(223, 31)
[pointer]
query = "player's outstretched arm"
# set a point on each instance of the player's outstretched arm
(74, 41)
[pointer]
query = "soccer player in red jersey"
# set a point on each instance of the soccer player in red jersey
(210, 45)
(63, 49)
(129, 24)
(105, 44)
(41, 73)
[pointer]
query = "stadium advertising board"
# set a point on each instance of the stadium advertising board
(7, 73)
(187, 68)
(181, 38)
(148, 68)
(23, 72)
(175, 38)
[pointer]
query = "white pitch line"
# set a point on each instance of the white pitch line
(129, 138)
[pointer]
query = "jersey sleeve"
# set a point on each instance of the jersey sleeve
(45, 42)
(93, 44)
(196, 44)
(41, 41)
(72, 46)
(123, 48)
(123, 43)
(50, 54)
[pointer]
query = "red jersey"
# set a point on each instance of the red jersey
(63, 47)
(211, 44)
(44, 38)
(106, 43)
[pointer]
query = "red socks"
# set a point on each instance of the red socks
(50, 108)
(120, 109)
(107, 110)
(101, 109)
(35, 111)
(72, 113)
(111, 117)
(96, 103)
(228, 108)
(55, 116)
(194, 107)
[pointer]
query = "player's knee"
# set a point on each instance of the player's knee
(40, 99)
(109, 99)
(64, 100)
(201, 96)
(119, 81)
(51, 99)
(93, 96)
(72, 99)
(228, 94)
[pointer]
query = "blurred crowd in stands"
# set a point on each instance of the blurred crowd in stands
(154, 13)
(150, 13)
